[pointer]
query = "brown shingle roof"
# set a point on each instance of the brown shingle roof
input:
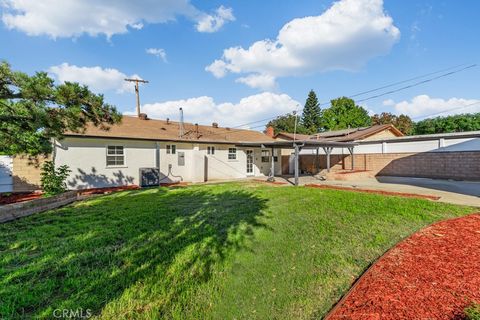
(135, 128)
(344, 135)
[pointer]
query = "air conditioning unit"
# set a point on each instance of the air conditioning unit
(149, 177)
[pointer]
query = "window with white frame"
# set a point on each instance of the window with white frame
(232, 153)
(265, 155)
(115, 156)
(210, 150)
(171, 149)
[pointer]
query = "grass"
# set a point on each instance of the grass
(229, 251)
(473, 312)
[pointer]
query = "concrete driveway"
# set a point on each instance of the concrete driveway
(456, 192)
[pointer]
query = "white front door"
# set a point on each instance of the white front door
(6, 181)
(250, 160)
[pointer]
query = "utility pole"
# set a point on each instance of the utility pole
(137, 92)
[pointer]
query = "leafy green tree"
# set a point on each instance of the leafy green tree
(286, 123)
(455, 123)
(402, 122)
(33, 110)
(312, 115)
(343, 114)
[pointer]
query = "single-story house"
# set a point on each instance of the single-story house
(144, 151)
(375, 132)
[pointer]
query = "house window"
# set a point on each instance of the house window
(211, 150)
(115, 156)
(171, 149)
(232, 153)
(266, 156)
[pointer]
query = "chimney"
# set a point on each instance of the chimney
(215, 125)
(168, 120)
(143, 116)
(196, 130)
(270, 132)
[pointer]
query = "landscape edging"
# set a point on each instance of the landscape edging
(18, 210)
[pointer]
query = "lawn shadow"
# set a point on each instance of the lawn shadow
(90, 256)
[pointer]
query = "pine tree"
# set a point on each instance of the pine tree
(33, 110)
(311, 117)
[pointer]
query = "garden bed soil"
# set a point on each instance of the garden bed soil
(351, 171)
(27, 196)
(19, 197)
(106, 190)
(433, 274)
(385, 193)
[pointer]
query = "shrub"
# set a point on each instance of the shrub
(473, 312)
(54, 179)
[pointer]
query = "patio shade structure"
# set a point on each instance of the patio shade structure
(298, 145)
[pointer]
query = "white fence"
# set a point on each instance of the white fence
(457, 142)
(6, 172)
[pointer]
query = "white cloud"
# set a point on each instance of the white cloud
(213, 23)
(158, 52)
(388, 102)
(218, 68)
(71, 18)
(204, 110)
(96, 78)
(260, 81)
(344, 37)
(423, 106)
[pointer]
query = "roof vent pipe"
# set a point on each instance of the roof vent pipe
(196, 130)
(168, 120)
(181, 130)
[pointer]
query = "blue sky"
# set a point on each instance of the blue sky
(334, 47)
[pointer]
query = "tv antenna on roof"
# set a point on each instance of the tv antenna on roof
(137, 92)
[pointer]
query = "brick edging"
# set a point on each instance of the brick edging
(18, 210)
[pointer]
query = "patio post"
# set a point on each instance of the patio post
(317, 161)
(272, 167)
(296, 164)
(350, 149)
(328, 151)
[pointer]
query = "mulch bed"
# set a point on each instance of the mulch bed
(19, 197)
(434, 274)
(385, 193)
(351, 171)
(107, 190)
(174, 184)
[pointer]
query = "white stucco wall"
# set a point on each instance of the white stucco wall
(87, 160)
(86, 157)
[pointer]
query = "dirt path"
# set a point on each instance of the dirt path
(434, 274)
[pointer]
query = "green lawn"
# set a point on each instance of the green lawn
(229, 251)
